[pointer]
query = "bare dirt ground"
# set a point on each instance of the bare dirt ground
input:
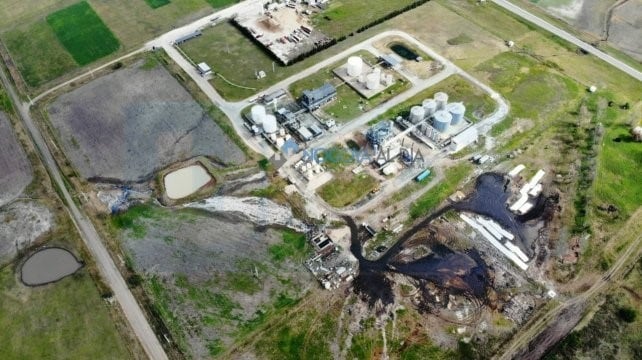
(128, 124)
(21, 224)
(15, 171)
(216, 272)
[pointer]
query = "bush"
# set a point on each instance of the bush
(627, 314)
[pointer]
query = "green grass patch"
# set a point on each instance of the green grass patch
(131, 219)
(38, 54)
(342, 18)
(336, 158)
(347, 188)
(154, 4)
(43, 322)
(83, 33)
(221, 3)
(294, 246)
(243, 282)
(460, 39)
(436, 195)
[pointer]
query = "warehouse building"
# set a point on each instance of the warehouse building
(313, 99)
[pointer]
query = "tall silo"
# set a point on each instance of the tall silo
(442, 99)
(355, 65)
(417, 114)
(457, 110)
(442, 120)
(258, 114)
(269, 124)
(430, 105)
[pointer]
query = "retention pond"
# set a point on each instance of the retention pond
(48, 265)
(186, 181)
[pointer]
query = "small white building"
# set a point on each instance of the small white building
(203, 69)
(463, 139)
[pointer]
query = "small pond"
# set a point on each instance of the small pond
(186, 181)
(403, 51)
(48, 265)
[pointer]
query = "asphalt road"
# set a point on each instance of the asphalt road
(569, 37)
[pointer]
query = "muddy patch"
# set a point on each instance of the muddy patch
(15, 170)
(21, 225)
(48, 265)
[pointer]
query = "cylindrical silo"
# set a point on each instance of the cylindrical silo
(269, 124)
(442, 120)
(417, 114)
(457, 110)
(442, 99)
(258, 114)
(355, 64)
(430, 105)
(372, 81)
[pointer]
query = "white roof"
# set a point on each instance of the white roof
(464, 138)
(204, 67)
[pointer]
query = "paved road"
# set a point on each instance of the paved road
(569, 37)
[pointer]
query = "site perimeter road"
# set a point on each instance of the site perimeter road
(530, 331)
(106, 266)
(568, 37)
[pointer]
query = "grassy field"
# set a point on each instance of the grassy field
(478, 103)
(83, 33)
(67, 320)
(344, 17)
(157, 3)
(437, 194)
(346, 188)
(349, 104)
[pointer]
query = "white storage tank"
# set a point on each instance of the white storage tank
(258, 114)
(442, 120)
(355, 66)
(457, 110)
(417, 114)
(430, 106)
(442, 99)
(269, 124)
(372, 81)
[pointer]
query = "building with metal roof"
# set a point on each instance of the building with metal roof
(313, 99)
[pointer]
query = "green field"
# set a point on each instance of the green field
(83, 33)
(67, 319)
(221, 3)
(437, 194)
(346, 188)
(157, 3)
(349, 104)
(38, 54)
(478, 103)
(344, 17)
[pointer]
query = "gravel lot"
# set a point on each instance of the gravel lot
(15, 170)
(133, 122)
(22, 223)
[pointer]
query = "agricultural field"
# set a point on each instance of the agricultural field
(41, 57)
(342, 18)
(16, 171)
(346, 188)
(82, 33)
(349, 104)
(89, 125)
(213, 278)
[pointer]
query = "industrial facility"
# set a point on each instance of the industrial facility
(366, 79)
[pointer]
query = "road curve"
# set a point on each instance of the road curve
(569, 37)
(106, 266)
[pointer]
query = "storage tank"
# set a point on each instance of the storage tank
(355, 66)
(372, 81)
(442, 99)
(442, 120)
(457, 110)
(430, 105)
(258, 114)
(269, 124)
(417, 114)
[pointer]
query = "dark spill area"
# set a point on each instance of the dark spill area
(403, 51)
(460, 273)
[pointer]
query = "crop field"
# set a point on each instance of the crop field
(83, 33)
(346, 188)
(16, 171)
(344, 17)
(214, 278)
(49, 321)
(349, 104)
(163, 124)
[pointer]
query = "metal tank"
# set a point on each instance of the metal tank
(457, 111)
(355, 66)
(442, 99)
(258, 114)
(441, 120)
(269, 124)
(417, 114)
(430, 105)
